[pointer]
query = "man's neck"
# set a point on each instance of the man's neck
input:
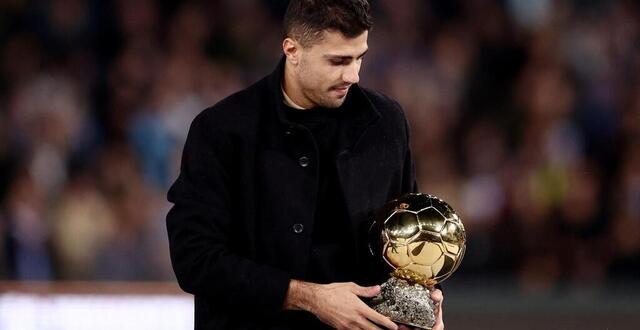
(289, 102)
(292, 91)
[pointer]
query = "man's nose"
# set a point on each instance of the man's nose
(350, 73)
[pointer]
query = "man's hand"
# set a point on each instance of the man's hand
(338, 305)
(438, 298)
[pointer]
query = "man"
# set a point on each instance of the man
(279, 183)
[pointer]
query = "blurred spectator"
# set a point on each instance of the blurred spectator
(625, 219)
(82, 224)
(28, 230)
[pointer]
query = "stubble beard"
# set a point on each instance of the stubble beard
(324, 100)
(331, 103)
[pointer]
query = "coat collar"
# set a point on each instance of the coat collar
(361, 113)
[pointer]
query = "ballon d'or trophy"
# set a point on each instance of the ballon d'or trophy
(423, 240)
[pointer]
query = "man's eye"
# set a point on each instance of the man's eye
(336, 62)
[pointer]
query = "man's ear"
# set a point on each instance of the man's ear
(291, 49)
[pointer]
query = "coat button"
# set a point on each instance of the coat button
(298, 228)
(290, 131)
(303, 161)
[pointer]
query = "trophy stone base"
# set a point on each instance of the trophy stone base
(405, 303)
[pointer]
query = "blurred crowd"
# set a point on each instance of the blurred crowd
(525, 116)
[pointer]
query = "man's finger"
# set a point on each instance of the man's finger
(367, 325)
(378, 318)
(368, 291)
(436, 295)
(438, 299)
(439, 323)
(438, 326)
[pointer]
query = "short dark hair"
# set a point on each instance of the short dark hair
(305, 20)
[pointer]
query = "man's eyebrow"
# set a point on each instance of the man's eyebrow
(344, 57)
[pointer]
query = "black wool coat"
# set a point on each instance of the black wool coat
(244, 202)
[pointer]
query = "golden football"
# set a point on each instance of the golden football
(420, 236)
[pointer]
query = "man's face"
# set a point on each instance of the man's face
(329, 67)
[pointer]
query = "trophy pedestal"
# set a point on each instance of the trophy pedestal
(405, 303)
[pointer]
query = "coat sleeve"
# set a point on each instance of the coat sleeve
(199, 227)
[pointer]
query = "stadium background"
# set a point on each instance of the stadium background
(525, 116)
